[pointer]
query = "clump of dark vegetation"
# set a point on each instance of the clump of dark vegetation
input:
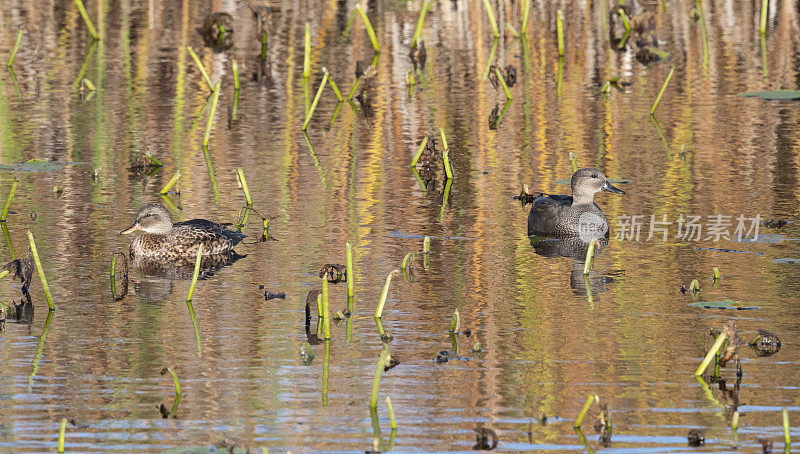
(217, 31)
(334, 272)
(765, 343)
(485, 439)
(697, 437)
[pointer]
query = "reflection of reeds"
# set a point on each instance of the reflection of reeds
(392, 422)
(325, 314)
(370, 30)
(376, 380)
(39, 268)
(196, 273)
(502, 82)
(492, 21)
(15, 49)
(455, 322)
(350, 273)
(178, 394)
(171, 183)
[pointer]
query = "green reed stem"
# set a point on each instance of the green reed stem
(573, 161)
(384, 294)
(419, 151)
(426, 245)
(3, 273)
(326, 316)
(735, 421)
(353, 90)
(694, 285)
(455, 322)
(243, 183)
(15, 49)
(392, 421)
(502, 82)
(418, 30)
(787, 437)
(264, 45)
(446, 156)
(200, 67)
(62, 431)
(764, 6)
(235, 75)
(14, 184)
(625, 21)
(376, 380)
(350, 273)
(661, 93)
(171, 182)
(39, 268)
(370, 30)
(526, 9)
(307, 52)
(112, 274)
(334, 86)
(589, 256)
(196, 273)
(406, 259)
(89, 84)
(85, 16)
(490, 12)
(178, 393)
(210, 123)
(315, 101)
(584, 410)
(560, 32)
(710, 355)
(716, 273)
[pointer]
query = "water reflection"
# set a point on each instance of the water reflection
(575, 248)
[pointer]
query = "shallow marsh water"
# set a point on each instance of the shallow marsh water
(635, 341)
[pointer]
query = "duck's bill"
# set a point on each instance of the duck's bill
(130, 229)
(611, 188)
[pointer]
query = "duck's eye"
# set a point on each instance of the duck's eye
(594, 175)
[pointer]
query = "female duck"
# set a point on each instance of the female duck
(164, 240)
(563, 215)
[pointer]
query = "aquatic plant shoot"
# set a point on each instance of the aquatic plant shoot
(200, 67)
(243, 184)
(210, 123)
(14, 50)
(62, 431)
(87, 20)
(45, 287)
(13, 190)
(584, 410)
(710, 355)
(370, 31)
(661, 92)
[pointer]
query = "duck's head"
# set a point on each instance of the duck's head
(589, 181)
(152, 218)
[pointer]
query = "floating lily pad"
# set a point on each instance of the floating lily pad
(724, 304)
(786, 260)
(34, 165)
(773, 95)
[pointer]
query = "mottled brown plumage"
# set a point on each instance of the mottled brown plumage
(167, 241)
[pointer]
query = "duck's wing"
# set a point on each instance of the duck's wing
(545, 202)
(214, 237)
(544, 212)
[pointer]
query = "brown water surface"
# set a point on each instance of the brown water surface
(548, 339)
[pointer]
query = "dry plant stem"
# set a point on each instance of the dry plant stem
(42, 277)
(584, 410)
(200, 67)
(8, 200)
(171, 182)
(710, 355)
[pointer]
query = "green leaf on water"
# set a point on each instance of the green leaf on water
(772, 95)
(724, 304)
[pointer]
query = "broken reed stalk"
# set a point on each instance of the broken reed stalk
(196, 273)
(210, 123)
(307, 52)
(489, 11)
(526, 9)
(350, 274)
(764, 5)
(560, 32)
(406, 259)
(694, 286)
(235, 75)
(15, 49)
(661, 93)
(392, 421)
(584, 410)
(243, 183)
(735, 422)
(710, 355)
(502, 82)
(8, 200)
(716, 273)
(171, 182)
(376, 380)
(419, 151)
(62, 431)
(200, 66)
(426, 245)
(42, 277)
(112, 274)
(370, 30)
(264, 45)
(85, 16)
(446, 156)
(326, 317)
(316, 100)
(384, 294)
(178, 393)
(455, 322)
(589, 256)
(787, 437)
(333, 86)
(418, 30)
(88, 83)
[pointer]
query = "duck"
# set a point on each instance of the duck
(163, 240)
(575, 215)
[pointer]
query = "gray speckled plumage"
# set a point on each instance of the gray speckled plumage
(561, 215)
(164, 240)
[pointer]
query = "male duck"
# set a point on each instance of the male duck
(164, 240)
(563, 215)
